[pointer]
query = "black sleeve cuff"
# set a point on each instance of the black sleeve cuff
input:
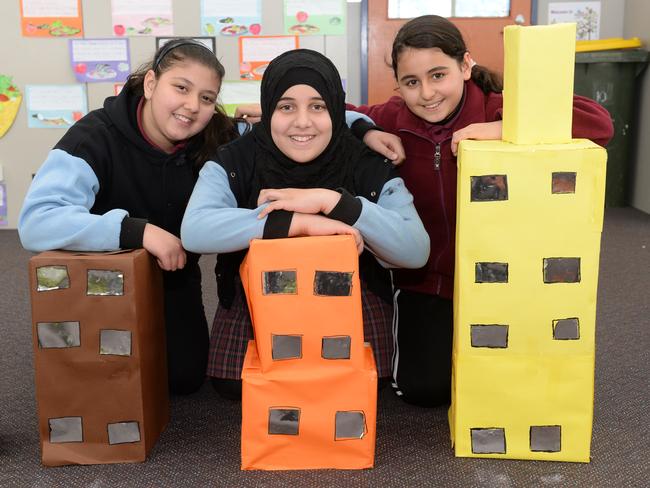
(132, 232)
(277, 224)
(361, 126)
(348, 209)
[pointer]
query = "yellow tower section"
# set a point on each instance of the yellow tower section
(530, 217)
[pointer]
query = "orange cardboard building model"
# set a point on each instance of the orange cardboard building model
(309, 390)
(99, 356)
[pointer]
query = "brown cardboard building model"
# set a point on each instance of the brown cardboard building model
(99, 356)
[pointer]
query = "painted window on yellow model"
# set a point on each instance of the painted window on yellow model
(489, 188)
(491, 273)
(546, 438)
(566, 329)
(561, 270)
(489, 335)
(563, 182)
(488, 441)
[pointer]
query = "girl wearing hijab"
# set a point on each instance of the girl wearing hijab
(299, 172)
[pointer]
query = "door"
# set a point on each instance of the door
(483, 36)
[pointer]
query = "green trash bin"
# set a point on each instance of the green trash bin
(610, 78)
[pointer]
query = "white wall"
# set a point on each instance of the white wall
(46, 61)
(611, 15)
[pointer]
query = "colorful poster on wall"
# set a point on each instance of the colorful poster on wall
(231, 17)
(55, 106)
(3, 204)
(142, 17)
(96, 60)
(51, 18)
(326, 17)
(10, 98)
(586, 15)
(234, 93)
(207, 41)
(255, 53)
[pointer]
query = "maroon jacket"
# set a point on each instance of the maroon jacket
(430, 171)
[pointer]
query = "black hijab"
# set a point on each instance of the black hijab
(253, 162)
(334, 167)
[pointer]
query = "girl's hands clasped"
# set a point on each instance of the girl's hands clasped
(306, 201)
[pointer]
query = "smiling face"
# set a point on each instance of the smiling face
(179, 103)
(301, 126)
(430, 82)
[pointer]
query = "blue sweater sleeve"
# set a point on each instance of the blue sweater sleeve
(212, 221)
(392, 229)
(56, 211)
(351, 117)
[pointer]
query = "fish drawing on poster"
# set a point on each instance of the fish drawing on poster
(586, 15)
(326, 17)
(231, 17)
(55, 106)
(96, 60)
(51, 18)
(142, 18)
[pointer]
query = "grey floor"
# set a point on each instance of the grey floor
(201, 444)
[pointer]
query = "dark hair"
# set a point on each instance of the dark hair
(431, 31)
(221, 128)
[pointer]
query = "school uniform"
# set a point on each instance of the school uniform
(96, 191)
(423, 306)
(222, 216)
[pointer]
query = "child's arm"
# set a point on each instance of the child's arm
(56, 215)
(591, 121)
(362, 124)
(482, 132)
(213, 223)
(391, 228)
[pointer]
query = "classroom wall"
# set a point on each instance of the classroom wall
(611, 15)
(46, 61)
(637, 14)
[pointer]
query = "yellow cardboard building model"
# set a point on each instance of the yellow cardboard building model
(530, 215)
(309, 383)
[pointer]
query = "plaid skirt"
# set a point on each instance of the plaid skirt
(232, 329)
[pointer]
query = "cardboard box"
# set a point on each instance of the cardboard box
(99, 356)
